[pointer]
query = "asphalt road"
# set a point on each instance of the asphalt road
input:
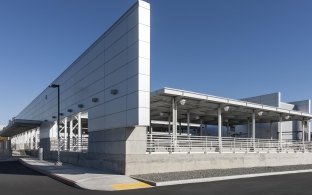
(17, 179)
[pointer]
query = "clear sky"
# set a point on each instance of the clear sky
(227, 48)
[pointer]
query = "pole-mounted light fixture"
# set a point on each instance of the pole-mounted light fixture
(58, 163)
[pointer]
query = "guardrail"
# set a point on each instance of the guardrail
(165, 143)
(79, 144)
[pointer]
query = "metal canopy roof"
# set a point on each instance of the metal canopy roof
(204, 107)
(18, 126)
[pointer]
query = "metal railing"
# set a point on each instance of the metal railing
(165, 143)
(75, 144)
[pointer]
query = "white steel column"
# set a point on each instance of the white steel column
(309, 130)
(303, 132)
(220, 129)
(253, 125)
(71, 134)
(65, 128)
(253, 130)
(188, 123)
(65, 134)
(280, 135)
(174, 120)
(271, 130)
(79, 131)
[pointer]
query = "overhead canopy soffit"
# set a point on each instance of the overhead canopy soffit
(204, 108)
(18, 126)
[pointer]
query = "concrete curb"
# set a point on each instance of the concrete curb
(52, 175)
(211, 179)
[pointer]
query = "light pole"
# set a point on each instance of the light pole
(58, 163)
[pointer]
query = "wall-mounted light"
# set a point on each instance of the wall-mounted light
(114, 91)
(69, 110)
(226, 108)
(182, 102)
(287, 117)
(260, 113)
(95, 99)
(197, 117)
(80, 105)
(161, 114)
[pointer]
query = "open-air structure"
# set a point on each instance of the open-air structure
(104, 115)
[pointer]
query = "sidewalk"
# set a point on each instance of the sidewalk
(84, 178)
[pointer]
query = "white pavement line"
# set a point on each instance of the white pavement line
(201, 180)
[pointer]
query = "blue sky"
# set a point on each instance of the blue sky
(227, 48)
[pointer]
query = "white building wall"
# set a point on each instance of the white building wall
(119, 59)
(290, 128)
(272, 99)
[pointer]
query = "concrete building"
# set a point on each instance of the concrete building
(109, 118)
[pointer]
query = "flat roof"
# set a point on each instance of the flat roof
(18, 126)
(204, 106)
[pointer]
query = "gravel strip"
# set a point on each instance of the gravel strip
(172, 176)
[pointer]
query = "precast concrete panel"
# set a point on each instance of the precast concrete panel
(119, 60)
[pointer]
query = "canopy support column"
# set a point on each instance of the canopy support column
(309, 130)
(220, 129)
(303, 136)
(280, 135)
(188, 122)
(253, 116)
(174, 121)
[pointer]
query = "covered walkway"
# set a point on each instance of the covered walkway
(182, 120)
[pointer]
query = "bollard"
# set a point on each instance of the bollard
(40, 153)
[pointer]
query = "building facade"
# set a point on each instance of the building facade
(110, 119)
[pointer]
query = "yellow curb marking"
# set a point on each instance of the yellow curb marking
(129, 186)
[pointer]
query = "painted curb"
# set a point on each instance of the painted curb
(52, 175)
(211, 179)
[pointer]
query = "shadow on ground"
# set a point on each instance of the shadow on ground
(15, 168)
